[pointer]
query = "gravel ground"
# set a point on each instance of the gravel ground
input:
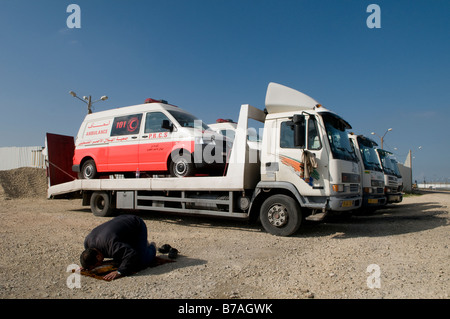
(408, 243)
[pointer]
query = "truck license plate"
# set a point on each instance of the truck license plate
(347, 203)
(372, 201)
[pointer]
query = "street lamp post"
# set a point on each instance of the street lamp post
(382, 137)
(88, 100)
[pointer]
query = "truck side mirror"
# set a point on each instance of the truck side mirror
(299, 135)
(297, 118)
(299, 130)
(167, 125)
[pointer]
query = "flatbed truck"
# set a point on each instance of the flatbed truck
(304, 169)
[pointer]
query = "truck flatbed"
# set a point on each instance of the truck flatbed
(241, 173)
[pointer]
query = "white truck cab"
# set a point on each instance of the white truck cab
(372, 182)
(306, 149)
(392, 184)
(398, 174)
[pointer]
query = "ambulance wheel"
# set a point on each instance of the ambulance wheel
(280, 215)
(181, 165)
(88, 170)
(101, 204)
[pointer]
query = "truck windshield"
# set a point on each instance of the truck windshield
(188, 120)
(338, 137)
(395, 167)
(369, 155)
(386, 161)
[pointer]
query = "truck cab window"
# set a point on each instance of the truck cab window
(313, 135)
(369, 155)
(338, 137)
(153, 122)
(287, 135)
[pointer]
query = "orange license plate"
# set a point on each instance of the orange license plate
(347, 203)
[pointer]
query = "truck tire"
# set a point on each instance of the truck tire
(181, 165)
(280, 215)
(101, 204)
(88, 170)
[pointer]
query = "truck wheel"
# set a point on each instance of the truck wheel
(280, 215)
(88, 170)
(101, 205)
(181, 165)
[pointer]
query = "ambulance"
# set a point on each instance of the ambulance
(150, 138)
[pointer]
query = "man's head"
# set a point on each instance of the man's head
(91, 258)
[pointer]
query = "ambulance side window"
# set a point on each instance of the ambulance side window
(126, 125)
(153, 122)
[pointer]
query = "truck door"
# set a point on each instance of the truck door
(290, 155)
(156, 142)
(124, 143)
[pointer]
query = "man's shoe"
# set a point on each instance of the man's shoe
(164, 249)
(173, 253)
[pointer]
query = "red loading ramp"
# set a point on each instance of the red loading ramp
(60, 150)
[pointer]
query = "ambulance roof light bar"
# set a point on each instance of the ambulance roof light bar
(224, 121)
(150, 100)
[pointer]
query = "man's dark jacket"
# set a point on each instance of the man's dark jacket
(120, 239)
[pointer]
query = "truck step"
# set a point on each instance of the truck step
(316, 217)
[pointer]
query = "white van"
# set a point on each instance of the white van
(151, 137)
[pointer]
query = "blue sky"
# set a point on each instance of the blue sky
(209, 57)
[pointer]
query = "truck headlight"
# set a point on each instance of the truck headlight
(338, 187)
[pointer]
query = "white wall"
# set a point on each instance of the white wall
(15, 157)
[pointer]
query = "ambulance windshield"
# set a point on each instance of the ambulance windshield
(188, 120)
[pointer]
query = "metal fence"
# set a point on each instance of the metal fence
(434, 185)
(15, 157)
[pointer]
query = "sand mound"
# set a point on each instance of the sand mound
(23, 182)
